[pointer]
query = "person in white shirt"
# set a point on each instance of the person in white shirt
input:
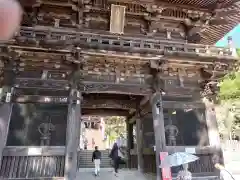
(96, 158)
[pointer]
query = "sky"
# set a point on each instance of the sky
(235, 34)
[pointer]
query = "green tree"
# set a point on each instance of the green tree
(115, 127)
(227, 119)
(228, 110)
(230, 87)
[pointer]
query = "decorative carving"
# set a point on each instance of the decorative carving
(38, 83)
(172, 132)
(45, 130)
(210, 90)
(90, 87)
(94, 87)
(114, 104)
(40, 99)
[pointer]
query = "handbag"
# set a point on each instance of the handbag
(120, 154)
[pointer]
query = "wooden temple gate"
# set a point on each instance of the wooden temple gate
(64, 63)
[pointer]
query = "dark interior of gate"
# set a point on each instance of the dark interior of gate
(64, 63)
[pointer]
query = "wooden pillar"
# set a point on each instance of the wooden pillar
(129, 142)
(159, 131)
(213, 133)
(6, 107)
(212, 126)
(8, 80)
(139, 137)
(73, 135)
(5, 116)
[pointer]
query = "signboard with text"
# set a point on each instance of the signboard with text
(166, 172)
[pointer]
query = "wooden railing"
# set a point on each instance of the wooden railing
(32, 163)
(32, 166)
(61, 38)
(202, 166)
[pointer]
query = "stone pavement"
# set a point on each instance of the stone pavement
(107, 174)
(124, 174)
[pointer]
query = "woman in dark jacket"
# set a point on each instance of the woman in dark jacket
(114, 156)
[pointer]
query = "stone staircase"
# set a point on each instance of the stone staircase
(85, 159)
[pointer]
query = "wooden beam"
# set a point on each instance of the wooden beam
(114, 88)
(211, 122)
(164, 5)
(139, 138)
(197, 149)
(51, 84)
(105, 112)
(5, 116)
(172, 149)
(34, 151)
(158, 126)
(129, 142)
(73, 134)
(136, 89)
(108, 104)
(41, 99)
(169, 105)
(87, 103)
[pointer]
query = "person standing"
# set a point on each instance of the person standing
(96, 158)
(85, 143)
(93, 143)
(184, 174)
(115, 158)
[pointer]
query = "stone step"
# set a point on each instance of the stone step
(92, 167)
(90, 155)
(87, 156)
(85, 159)
(91, 163)
(90, 160)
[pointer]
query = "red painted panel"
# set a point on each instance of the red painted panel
(166, 172)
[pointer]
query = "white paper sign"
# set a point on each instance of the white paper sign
(190, 150)
(34, 151)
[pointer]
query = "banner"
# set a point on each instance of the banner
(166, 172)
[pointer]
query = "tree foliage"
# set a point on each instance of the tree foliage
(230, 87)
(115, 127)
(228, 116)
(228, 111)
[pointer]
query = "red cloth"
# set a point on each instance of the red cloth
(166, 172)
